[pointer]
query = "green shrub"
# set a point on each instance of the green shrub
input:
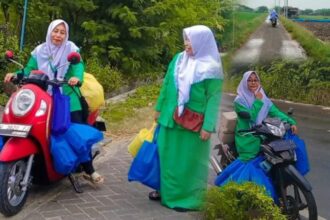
(236, 201)
(110, 78)
(307, 82)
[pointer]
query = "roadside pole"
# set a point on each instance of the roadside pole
(23, 25)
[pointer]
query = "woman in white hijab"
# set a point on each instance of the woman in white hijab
(51, 57)
(187, 110)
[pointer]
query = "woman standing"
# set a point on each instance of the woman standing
(48, 57)
(187, 110)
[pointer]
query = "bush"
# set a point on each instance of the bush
(240, 202)
(110, 78)
(307, 82)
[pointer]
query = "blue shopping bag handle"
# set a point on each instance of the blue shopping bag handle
(154, 140)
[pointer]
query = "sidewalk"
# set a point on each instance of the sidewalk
(117, 199)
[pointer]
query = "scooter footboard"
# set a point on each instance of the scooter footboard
(17, 148)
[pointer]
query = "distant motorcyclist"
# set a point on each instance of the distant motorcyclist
(273, 14)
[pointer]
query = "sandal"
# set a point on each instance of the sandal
(94, 178)
(154, 195)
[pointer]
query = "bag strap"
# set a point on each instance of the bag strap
(79, 95)
(156, 134)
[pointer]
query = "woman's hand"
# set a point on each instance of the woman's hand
(73, 81)
(156, 116)
(204, 135)
(294, 129)
(258, 95)
(8, 77)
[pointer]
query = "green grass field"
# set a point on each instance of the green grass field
(239, 27)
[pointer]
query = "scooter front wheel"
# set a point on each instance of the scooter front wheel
(12, 195)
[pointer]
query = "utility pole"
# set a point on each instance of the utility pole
(23, 25)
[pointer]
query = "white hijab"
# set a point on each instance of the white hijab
(204, 64)
(50, 56)
(246, 98)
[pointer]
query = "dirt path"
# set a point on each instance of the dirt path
(265, 45)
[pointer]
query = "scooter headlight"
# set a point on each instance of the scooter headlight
(23, 102)
(278, 131)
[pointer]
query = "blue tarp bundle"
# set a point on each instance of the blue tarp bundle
(73, 147)
(310, 20)
(239, 171)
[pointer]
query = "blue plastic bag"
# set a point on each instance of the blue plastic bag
(61, 117)
(65, 160)
(145, 167)
(81, 137)
(239, 171)
(302, 163)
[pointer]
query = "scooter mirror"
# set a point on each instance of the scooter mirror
(290, 111)
(9, 55)
(244, 115)
(74, 57)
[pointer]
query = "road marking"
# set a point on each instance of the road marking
(250, 52)
(291, 50)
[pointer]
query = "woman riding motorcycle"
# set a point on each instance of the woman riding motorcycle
(48, 57)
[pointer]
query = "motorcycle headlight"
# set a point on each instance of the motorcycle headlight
(278, 131)
(23, 102)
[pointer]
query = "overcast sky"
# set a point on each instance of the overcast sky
(301, 4)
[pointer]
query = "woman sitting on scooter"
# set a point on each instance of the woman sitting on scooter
(53, 54)
(251, 98)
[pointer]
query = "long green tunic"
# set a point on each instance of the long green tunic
(76, 70)
(184, 157)
(248, 146)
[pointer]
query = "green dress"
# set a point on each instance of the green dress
(76, 70)
(184, 157)
(248, 146)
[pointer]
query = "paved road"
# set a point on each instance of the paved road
(265, 45)
(314, 127)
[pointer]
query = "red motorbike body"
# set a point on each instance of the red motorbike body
(38, 139)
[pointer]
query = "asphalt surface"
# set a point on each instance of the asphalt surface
(265, 45)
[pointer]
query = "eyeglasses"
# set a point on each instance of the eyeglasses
(253, 81)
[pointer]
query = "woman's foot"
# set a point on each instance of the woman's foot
(154, 195)
(94, 178)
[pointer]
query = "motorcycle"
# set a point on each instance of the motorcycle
(25, 157)
(294, 191)
(273, 21)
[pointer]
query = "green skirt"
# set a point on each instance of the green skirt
(184, 160)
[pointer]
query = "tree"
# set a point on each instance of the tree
(262, 9)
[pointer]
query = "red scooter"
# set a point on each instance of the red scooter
(25, 156)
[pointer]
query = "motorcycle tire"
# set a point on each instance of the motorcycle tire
(296, 205)
(12, 197)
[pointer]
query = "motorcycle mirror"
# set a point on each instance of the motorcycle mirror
(74, 57)
(9, 55)
(290, 111)
(244, 115)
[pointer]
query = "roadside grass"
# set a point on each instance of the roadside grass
(314, 47)
(128, 116)
(245, 23)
